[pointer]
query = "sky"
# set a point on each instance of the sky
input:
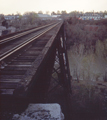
(22, 6)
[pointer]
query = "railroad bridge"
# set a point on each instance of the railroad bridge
(35, 63)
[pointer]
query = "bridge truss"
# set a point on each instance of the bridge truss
(55, 73)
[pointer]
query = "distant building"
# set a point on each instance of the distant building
(91, 17)
(49, 17)
(11, 17)
(11, 29)
(44, 16)
(105, 16)
(55, 16)
(2, 28)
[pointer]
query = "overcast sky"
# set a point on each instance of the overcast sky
(21, 6)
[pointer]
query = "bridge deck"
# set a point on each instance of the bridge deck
(21, 72)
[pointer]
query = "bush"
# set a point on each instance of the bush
(78, 32)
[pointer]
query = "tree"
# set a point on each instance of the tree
(74, 13)
(1, 17)
(104, 13)
(63, 12)
(53, 13)
(19, 14)
(58, 12)
(40, 12)
(47, 12)
(31, 17)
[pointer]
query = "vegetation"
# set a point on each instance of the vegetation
(28, 20)
(25, 21)
(87, 53)
(88, 101)
(31, 17)
(87, 43)
(86, 32)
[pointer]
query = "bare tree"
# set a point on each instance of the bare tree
(58, 12)
(1, 17)
(40, 12)
(31, 17)
(53, 13)
(47, 12)
(63, 12)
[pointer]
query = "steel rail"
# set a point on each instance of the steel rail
(13, 50)
(22, 34)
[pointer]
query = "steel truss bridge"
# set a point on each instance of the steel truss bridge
(34, 64)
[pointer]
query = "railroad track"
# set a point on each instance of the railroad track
(23, 34)
(20, 43)
(21, 56)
